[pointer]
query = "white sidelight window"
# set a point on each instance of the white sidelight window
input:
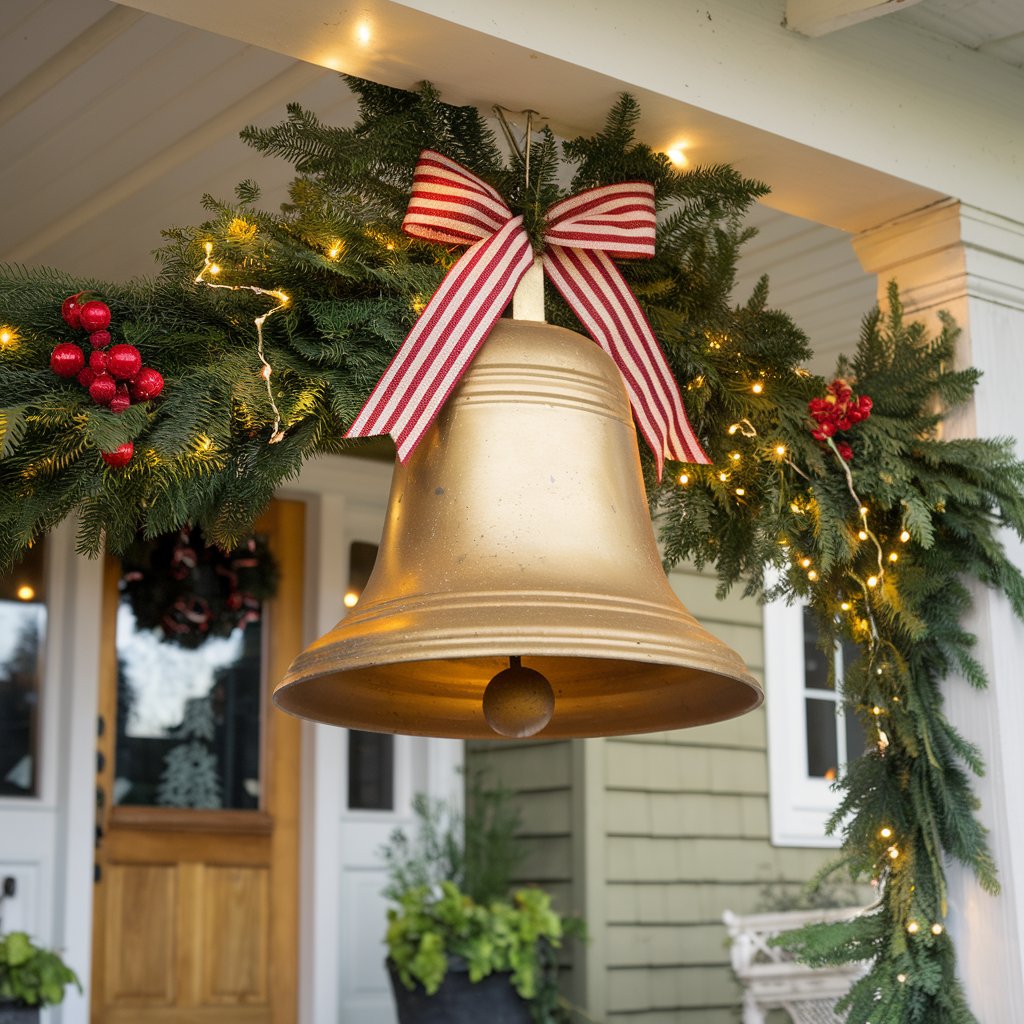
(810, 737)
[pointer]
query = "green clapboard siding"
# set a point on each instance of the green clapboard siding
(652, 837)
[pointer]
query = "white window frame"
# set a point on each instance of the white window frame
(800, 804)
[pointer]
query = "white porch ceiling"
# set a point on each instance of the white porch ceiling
(114, 122)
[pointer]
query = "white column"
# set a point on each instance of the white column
(971, 263)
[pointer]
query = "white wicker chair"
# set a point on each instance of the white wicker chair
(770, 977)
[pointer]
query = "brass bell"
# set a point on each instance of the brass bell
(517, 543)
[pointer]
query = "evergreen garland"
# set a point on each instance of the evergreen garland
(775, 496)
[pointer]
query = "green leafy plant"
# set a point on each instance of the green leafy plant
(30, 975)
(428, 927)
(451, 886)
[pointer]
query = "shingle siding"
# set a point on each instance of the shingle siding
(683, 832)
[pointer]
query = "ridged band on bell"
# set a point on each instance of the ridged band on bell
(519, 528)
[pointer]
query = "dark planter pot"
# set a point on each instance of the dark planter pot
(12, 1013)
(459, 1001)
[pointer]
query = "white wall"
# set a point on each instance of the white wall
(46, 842)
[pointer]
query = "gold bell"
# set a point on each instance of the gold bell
(518, 548)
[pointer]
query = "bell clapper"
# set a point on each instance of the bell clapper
(518, 702)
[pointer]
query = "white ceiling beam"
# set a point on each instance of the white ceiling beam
(66, 61)
(819, 17)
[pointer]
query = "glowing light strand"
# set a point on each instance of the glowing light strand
(210, 267)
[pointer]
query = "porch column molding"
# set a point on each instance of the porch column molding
(970, 263)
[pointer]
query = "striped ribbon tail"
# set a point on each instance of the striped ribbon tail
(596, 291)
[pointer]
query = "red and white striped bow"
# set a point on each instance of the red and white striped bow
(451, 205)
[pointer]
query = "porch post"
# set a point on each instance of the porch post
(970, 262)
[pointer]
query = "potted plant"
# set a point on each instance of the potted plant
(30, 977)
(463, 946)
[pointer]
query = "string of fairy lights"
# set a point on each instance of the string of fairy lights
(211, 268)
(890, 853)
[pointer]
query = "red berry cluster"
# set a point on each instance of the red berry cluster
(840, 409)
(114, 375)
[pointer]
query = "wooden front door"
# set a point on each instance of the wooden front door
(196, 897)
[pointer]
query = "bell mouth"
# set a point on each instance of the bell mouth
(593, 696)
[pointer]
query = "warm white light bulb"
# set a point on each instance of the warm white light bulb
(740, 491)
(757, 388)
(684, 478)
(905, 536)
(351, 598)
(937, 929)
(677, 156)
(872, 581)
(780, 449)
(886, 832)
(913, 927)
(25, 592)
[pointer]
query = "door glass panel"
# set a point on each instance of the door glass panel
(371, 771)
(371, 755)
(22, 635)
(189, 686)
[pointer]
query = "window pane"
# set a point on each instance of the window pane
(822, 746)
(816, 662)
(856, 739)
(188, 715)
(371, 777)
(22, 635)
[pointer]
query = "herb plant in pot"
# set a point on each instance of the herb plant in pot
(30, 977)
(463, 946)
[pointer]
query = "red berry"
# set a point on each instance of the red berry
(120, 456)
(844, 423)
(86, 376)
(828, 429)
(71, 311)
(99, 339)
(94, 315)
(845, 451)
(98, 361)
(148, 384)
(102, 389)
(120, 401)
(66, 359)
(124, 361)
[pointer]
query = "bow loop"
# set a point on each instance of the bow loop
(451, 205)
(617, 219)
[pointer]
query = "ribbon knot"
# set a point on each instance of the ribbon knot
(451, 205)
